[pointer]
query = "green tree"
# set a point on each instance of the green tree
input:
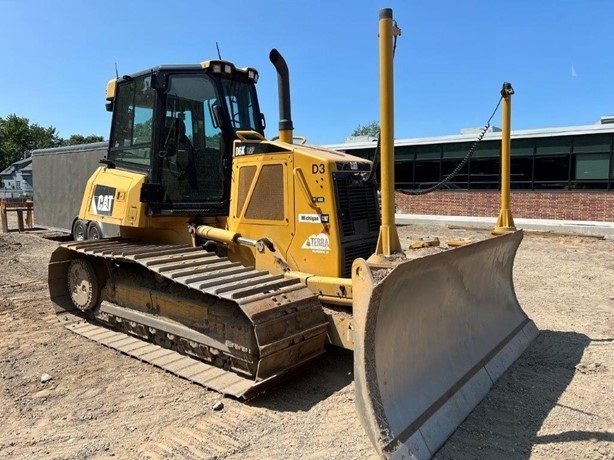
(143, 130)
(76, 139)
(372, 129)
(18, 137)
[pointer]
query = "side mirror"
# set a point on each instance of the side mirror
(158, 81)
(109, 106)
(218, 115)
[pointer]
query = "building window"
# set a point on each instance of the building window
(552, 146)
(592, 166)
(521, 173)
(461, 177)
(592, 143)
(404, 174)
(428, 163)
(485, 173)
(590, 171)
(555, 162)
(591, 162)
(551, 172)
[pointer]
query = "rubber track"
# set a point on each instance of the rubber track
(261, 296)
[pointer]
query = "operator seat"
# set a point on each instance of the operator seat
(183, 142)
(175, 138)
(178, 169)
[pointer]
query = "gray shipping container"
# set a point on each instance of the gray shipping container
(59, 176)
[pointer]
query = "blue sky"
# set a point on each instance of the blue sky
(451, 59)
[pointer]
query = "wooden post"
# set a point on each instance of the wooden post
(5, 222)
(20, 219)
(29, 222)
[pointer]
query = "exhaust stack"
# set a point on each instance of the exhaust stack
(283, 88)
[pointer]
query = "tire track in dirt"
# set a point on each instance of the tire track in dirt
(196, 439)
(214, 434)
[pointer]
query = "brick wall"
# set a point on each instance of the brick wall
(564, 205)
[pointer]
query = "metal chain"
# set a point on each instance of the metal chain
(463, 162)
(456, 170)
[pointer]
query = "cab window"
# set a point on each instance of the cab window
(192, 149)
(241, 103)
(132, 128)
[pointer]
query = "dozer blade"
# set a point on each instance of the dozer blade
(432, 337)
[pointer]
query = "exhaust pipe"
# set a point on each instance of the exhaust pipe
(283, 89)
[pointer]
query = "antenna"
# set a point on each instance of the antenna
(116, 72)
(219, 56)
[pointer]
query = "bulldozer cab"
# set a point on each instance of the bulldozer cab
(176, 124)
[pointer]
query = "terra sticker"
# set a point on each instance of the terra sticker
(317, 243)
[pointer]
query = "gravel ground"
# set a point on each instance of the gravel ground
(556, 401)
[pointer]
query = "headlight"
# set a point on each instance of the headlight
(252, 75)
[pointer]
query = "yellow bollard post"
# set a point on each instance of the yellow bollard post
(388, 242)
(505, 222)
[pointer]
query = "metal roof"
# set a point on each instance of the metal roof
(72, 148)
(607, 128)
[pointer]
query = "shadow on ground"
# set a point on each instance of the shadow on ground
(321, 379)
(507, 422)
(505, 425)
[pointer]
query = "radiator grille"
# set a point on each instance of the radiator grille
(358, 216)
(352, 251)
(357, 205)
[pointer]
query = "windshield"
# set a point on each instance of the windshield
(242, 105)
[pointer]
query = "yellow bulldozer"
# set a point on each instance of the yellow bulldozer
(235, 260)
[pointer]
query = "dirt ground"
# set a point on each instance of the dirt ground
(556, 401)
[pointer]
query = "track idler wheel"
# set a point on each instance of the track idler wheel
(83, 285)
